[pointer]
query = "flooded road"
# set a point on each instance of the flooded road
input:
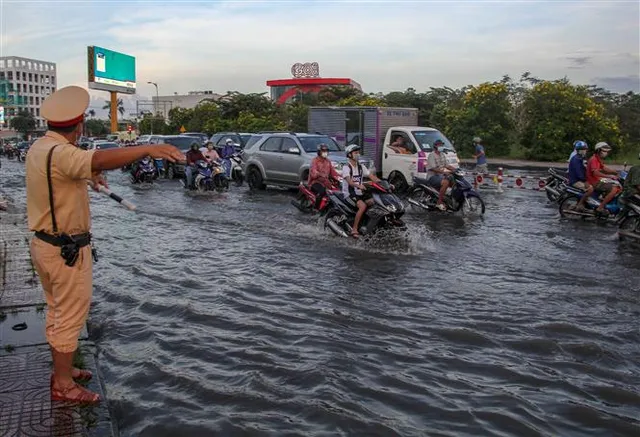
(235, 314)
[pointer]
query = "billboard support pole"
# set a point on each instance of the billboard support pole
(114, 111)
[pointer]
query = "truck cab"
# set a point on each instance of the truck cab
(400, 168)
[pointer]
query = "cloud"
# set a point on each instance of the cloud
(619, 84)
(224, 46)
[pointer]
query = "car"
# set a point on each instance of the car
(240, 139)
(182, 142)
(103, 145)
(283, 159)
(203, 138)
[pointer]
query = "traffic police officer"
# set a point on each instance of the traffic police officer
(57, 170)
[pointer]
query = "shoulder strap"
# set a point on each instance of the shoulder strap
(351, 170)
(53, 214)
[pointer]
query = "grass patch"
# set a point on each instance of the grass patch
(9, 348)
(40, 307)
(3, 316)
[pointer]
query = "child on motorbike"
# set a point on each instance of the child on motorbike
(352, 186)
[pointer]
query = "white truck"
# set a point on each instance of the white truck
(374, 128)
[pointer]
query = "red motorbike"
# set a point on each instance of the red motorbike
(306, 200)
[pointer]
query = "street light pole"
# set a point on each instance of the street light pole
(155, 106)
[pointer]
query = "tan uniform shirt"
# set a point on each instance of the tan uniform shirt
(70, 167)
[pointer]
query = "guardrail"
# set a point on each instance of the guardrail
(481, 180)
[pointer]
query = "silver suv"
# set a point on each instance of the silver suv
(283, 159)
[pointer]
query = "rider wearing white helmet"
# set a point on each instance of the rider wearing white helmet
(596, 170)
(353, 175)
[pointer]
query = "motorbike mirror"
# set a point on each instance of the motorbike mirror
(294, 150)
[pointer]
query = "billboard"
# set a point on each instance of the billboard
(111, 71)
(1, 115)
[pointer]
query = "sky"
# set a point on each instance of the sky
(385, 46)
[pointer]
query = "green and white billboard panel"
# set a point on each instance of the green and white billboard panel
(111, 71)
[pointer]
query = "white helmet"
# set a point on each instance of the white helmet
(350, 149)
(602, 146)
(477, 139)
(228, 141)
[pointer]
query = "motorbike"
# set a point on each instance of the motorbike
(629, 218)
(555, 184)
(385, 213)
(460, 195)
(233, 168)
(571, 196)
(22, 155)
(306, 200)
(144, 172)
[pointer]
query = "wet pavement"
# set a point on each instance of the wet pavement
(234, 314)
(25, 361)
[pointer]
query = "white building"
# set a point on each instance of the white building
(187, 101)
(24, 84)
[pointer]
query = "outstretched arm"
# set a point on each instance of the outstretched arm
(115, 158)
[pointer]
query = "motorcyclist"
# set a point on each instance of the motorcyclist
(631, 184)
(352, 186)
(439, 172)
(578, 174)
(596, 170)
(321, 174)
(209, 152)
(193, 155)
(228, 149)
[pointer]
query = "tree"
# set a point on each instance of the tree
(557, 114)
(96, 128)
(152, 124)
(91, 113)
(179, 117)
(119, 107)
(233, 103)
(24, 122)
(485, 112)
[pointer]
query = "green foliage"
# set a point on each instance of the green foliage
(119, 107)
(532, 118)
(153, 124)
(485, 111)
(96, 128)
(23, 122)
(557, 114)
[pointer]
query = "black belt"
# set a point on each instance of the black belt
(80, 240)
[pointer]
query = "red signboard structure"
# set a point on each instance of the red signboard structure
(306, 80)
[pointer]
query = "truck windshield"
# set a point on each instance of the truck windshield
(426, 138)
(310, 144)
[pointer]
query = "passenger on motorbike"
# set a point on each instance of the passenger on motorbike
(321, 174)
(578, 174)
(439, 172)
(352, 185)
(228, 149)
(597, 170)
(575, 148)
(194, 155)
(209, 152)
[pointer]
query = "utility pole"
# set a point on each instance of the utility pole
(114, 111)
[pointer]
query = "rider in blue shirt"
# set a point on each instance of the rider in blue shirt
(578, 173)
(481, 157)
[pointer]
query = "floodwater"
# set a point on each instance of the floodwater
(235, 314)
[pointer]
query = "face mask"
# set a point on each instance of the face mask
(324, 154)
(355, 156)
(582, 152)
(604, 154)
